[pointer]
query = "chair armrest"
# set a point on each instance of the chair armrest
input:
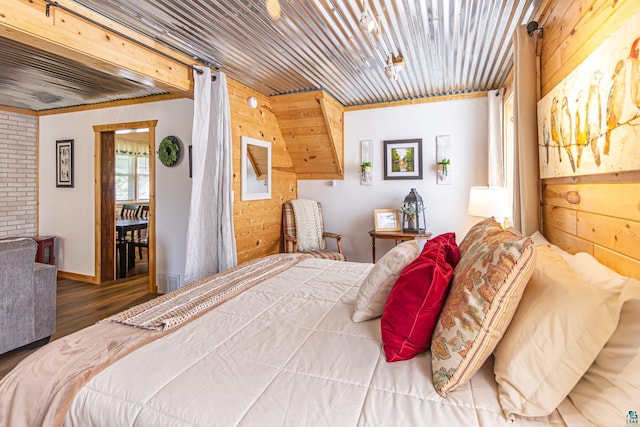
(293, 241)
(335, 236)
(44, 284)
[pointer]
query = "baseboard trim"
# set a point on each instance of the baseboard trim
(76, 276)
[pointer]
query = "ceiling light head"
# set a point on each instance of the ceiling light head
(273, 9)
(391, 72)
(367, 21)
(393, 67)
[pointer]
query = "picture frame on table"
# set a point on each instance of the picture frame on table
(403, 159)
(387, 220)
(64, 163)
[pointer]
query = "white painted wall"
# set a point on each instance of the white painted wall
(69, 213)
(348, 207)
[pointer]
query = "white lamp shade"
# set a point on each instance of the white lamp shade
(489, 201)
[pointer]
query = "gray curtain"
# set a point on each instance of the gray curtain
(526, 205)
(211, 245)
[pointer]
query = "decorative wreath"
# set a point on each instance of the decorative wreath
(169, 150)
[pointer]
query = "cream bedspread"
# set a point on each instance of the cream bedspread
(38, 391)
(284, 352)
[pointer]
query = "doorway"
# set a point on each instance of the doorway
(105, 200)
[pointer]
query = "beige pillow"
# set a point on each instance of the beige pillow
(616, 370)
(593, 272)
(561, 325)
(487, 285)
(376, 287)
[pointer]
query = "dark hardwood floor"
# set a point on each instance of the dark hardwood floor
(80, 304)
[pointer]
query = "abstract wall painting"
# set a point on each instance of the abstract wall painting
(590, 122)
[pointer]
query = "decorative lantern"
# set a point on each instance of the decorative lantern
(413, 220)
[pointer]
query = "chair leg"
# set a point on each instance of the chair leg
(131, 254)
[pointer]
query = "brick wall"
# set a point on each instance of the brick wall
(18, 196)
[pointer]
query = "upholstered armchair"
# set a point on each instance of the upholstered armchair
(27, 295)
(289, 231)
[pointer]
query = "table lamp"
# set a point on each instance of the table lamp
(488, 202)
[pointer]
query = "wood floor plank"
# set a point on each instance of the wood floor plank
(80, 304)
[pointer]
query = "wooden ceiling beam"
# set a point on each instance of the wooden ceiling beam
(70, 36)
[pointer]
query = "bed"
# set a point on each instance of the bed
(273, 342)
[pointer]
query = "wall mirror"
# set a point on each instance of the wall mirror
(256, 169)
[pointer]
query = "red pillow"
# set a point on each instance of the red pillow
(416, 299)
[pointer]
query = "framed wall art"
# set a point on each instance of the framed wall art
(590, 122)
(403, 159)
(64, 163)
(387, 219)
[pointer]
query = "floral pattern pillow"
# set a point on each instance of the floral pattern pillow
(478, 231)
(487, 286)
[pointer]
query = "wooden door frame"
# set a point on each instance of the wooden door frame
(99, 129)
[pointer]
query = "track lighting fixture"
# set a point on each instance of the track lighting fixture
(393, 67)
(368, 21)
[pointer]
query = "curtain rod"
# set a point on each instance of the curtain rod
(129, 38)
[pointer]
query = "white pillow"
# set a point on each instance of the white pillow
(558, 330)
(611, 387)
(376, 287)
(595, 273)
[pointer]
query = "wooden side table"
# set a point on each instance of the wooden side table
(398, 236)
(44, 253)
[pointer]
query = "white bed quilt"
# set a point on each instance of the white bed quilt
(283, 353)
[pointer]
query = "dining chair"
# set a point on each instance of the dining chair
(129, 211)
(141, 237)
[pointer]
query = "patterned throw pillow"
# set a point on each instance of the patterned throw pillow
(479, 231)
(487, 286)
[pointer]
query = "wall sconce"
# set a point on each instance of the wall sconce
(393, 67)
(252, 102)
(443, 159)
(366, 165)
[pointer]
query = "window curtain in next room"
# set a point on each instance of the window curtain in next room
(211, 246)
(525, 169)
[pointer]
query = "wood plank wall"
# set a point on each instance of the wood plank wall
(312, 126)
(258, 223)
(598, 214)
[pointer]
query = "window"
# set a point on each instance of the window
(125, 177)
(132, 166)
(509, 155)
(142, 188)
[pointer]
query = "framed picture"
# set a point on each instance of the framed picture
(64, 163)
(387, 219)
(403, 159)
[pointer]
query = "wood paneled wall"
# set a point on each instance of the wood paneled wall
(312, 126)
(598, 214)
(258, 223)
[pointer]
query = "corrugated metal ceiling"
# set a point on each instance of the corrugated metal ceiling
(33, 79)
(449, 46)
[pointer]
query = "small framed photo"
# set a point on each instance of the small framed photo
(64, 163)
(387, 219)
(403, 159)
